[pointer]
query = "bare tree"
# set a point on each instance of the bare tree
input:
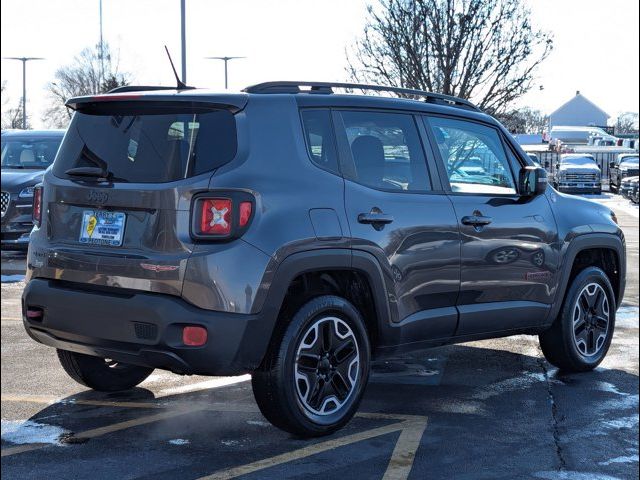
(524, 120)
(627, 123)
(483, 50)
(11, 116)
(86, 75)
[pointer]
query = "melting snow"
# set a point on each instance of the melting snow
(21, 432)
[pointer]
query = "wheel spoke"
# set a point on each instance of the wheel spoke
(340, 386)
(316, 394)
(601, 323)
(580, 327)
(308, 362)
(584, 303)
(327, 336)
(345, 352)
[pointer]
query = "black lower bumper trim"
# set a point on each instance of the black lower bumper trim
(103, 323)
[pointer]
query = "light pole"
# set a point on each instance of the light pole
(101, 48)
(183, 38)
(24, 61)
(226, 61)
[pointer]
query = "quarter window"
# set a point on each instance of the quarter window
(474, 157)
(319, 137)
(386, 151)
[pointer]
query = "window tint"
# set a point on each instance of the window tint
(149, 147)
(474, 156)
(386, 151)
(318, 133)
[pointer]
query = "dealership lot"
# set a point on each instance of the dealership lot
(492, 409)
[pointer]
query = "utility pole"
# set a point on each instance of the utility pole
(226, 61)
(101, 47)
(24, 61)
(183, 36)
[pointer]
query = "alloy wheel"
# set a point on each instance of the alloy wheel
(591, 317)
(327, 366)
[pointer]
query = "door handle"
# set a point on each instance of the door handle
(476, 220)
(375, 218)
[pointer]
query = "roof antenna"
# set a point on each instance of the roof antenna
(181, 84)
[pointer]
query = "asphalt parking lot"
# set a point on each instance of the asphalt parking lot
(493, 409)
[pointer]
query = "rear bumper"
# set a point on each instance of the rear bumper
(143, 328)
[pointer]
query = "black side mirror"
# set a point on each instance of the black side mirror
(532, 181)
(612, 164)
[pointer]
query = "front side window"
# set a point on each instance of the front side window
(386, 151)
(318, 133)
(474, 157)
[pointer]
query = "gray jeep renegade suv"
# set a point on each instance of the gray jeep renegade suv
(295, 233)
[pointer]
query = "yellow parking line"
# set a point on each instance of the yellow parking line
(399, 465)
(411, 428)
(301, 453)
(97, 432)
(405, 450)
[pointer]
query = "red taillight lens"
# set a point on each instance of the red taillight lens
(215, 217)
(245, 213)
(194, 336)
(37, 206)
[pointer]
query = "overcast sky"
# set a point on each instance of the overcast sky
(596, 44)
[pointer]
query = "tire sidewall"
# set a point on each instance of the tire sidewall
(309, 313)
(585, 277)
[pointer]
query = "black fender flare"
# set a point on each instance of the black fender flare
(277, 284)
(573, 248)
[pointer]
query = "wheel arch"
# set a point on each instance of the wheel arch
(578, 248)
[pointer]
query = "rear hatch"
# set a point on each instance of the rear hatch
(118, 197)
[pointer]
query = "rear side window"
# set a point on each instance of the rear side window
(474, 157)
(149, 147)
(386, 151)
(318, 134)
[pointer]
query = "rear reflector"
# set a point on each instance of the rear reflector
(245, 213)
(216, 216)
(34, 313)
(193, 336)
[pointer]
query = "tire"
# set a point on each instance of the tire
(101, 374)
(582, 347)
(284, 386)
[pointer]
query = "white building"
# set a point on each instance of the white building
(579, 112)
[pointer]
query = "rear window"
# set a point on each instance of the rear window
(29, 152)
(149, 146)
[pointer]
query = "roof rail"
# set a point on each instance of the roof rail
(140, 88)
(327, 87)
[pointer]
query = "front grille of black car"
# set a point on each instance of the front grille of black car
(5, 202)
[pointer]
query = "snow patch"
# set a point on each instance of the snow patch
(629, 459)
(27, 431)
(258, 423)
(179, 441)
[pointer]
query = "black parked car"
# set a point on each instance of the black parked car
(295, 233)
(626, 165)
(25, 156)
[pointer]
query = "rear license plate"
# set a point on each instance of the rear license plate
(100, 227)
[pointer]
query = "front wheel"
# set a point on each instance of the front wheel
(102, 374)
(581, 335)
(312, 380)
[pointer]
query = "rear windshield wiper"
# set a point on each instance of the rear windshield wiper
(95, 172)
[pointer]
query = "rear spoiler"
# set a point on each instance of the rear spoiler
(157, 97)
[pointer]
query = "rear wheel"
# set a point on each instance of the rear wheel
(580, 337)
(102, 374)
(312, 381)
